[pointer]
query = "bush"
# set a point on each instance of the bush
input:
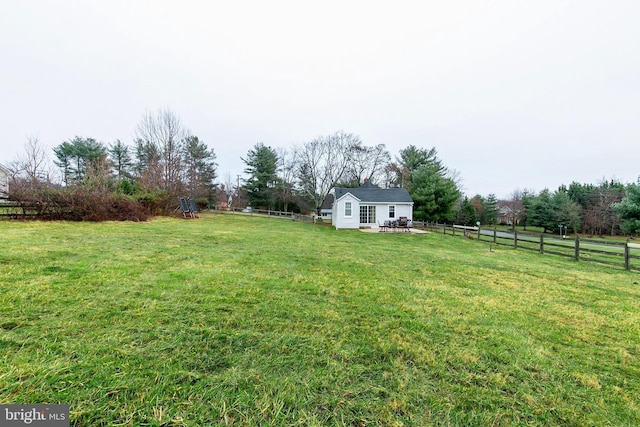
(125, 208)
(202, 203)
(76, 203)
(155, 203)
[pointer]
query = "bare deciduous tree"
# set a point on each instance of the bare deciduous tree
(286, 170)
(599, 216)
(322, 162)
(33, 164)
(368, 163)
(227, 196)
(30, 178)
(163, 135)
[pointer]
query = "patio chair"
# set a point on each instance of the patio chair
(195, 213)
(403, 223)
(186, 210)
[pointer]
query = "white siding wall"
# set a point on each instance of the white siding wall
(339, 221)
(382, 212)
(404, 210)
(338, 218)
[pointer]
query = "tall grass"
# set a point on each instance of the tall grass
(232, 320)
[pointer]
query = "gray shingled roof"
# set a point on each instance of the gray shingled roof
(371, 193)
(327, 203)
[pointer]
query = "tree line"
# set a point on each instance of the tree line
(97, 181)
(608, 208)
(300, 178)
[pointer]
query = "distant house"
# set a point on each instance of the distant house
(510, 212)
(369, 206)
(326, 209)
(4, 182)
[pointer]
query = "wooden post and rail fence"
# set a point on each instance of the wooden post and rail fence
(615, 253)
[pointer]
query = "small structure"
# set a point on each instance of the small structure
(369, 206)
(4, 182)
(327, 207)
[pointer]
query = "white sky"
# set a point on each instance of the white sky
(513, 94)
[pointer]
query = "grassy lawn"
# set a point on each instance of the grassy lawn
(232, 320)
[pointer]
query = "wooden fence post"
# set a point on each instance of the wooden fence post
(627, 264)
(515, 238)
(577, 252)
(541, 243)
(495, 237)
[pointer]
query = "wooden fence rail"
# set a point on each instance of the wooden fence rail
(270, 213)
(15, 211)
(623, 254)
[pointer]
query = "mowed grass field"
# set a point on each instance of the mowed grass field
(233, 320)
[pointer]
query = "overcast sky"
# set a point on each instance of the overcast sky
(512, 94)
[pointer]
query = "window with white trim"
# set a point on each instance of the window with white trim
(347, 209)
(392, 211)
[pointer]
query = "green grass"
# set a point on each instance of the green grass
(232, 320)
